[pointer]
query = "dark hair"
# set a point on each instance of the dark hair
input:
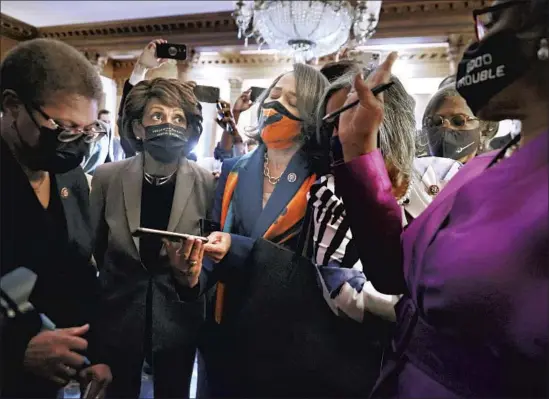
(103, 112)
(39, 68)
(170, 92)
(334, 70)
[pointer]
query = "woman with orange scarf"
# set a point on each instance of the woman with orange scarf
(263, 194)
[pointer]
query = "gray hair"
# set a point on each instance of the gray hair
(310, 84)
(487, 129)
(398, 129)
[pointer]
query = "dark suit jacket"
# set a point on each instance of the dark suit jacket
(116, 208)
(66, 287)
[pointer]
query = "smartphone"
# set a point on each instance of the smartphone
(169, 235)
(224, 114)
(170, 50)
(207, 94)
(256, 93)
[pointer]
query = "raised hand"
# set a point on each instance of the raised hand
(243, 102)
(148, 59)
(359, 126)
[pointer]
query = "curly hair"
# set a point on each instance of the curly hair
(170, 92)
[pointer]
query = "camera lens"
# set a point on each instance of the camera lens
(172, 51)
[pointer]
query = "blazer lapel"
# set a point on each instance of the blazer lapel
(77, 226)
(132, 182)
(248, 198)
(183, 188)
(290, 182)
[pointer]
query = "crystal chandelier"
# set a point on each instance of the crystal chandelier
(306, 29)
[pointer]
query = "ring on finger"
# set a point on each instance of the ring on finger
(193, 263)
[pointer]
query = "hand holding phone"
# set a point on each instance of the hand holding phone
(225, 117)
(171, 51)
(186, 260)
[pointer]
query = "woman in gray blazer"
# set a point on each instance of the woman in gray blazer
(151, 303)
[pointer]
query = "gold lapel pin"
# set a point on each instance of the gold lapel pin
(434, 190)
(64, 192)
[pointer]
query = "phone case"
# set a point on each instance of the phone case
(173, 51)
(207, 94)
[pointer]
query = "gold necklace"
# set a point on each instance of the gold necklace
(267, 172)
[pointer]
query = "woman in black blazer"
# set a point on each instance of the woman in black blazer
(49, 99)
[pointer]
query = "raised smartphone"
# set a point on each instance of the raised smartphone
(256, 92)
(170, 50)
(207, 94)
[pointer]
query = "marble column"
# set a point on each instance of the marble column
(236, 89)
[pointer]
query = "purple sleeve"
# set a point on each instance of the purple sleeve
(375, 219)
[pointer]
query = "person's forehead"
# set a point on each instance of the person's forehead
(337, 99)
(453, 105)
(73, 110)
(156, 103)
(287, 82)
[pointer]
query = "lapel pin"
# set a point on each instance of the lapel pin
(434, 190)
(292, 177)
(64, 192)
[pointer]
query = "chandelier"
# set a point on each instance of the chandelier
(306, 29)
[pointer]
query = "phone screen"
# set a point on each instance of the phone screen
(256, 93)
(207, 94)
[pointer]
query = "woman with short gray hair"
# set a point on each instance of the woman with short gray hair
(263, 195)
(451, 130)
(415, 182)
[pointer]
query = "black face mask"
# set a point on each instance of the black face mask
(51, 155)
(490, 66)
(453, 144)
(166, 143)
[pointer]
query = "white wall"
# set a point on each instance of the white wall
(109, 91)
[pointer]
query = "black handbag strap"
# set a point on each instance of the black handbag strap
(304, 242)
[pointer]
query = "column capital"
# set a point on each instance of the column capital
(98, 60)
(236, 83)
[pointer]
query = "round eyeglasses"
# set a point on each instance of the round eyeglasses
(486, 18)
(459, 121)
(91, 133)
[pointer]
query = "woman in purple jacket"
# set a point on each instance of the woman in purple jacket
(473, 267)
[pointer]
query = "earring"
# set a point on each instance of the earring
(543, 52)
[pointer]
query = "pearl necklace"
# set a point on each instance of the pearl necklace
(406, 197)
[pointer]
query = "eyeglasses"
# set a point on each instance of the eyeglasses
(458, 121)
(487, 17)
(91, 133)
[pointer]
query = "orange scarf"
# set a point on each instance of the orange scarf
(286, 226)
